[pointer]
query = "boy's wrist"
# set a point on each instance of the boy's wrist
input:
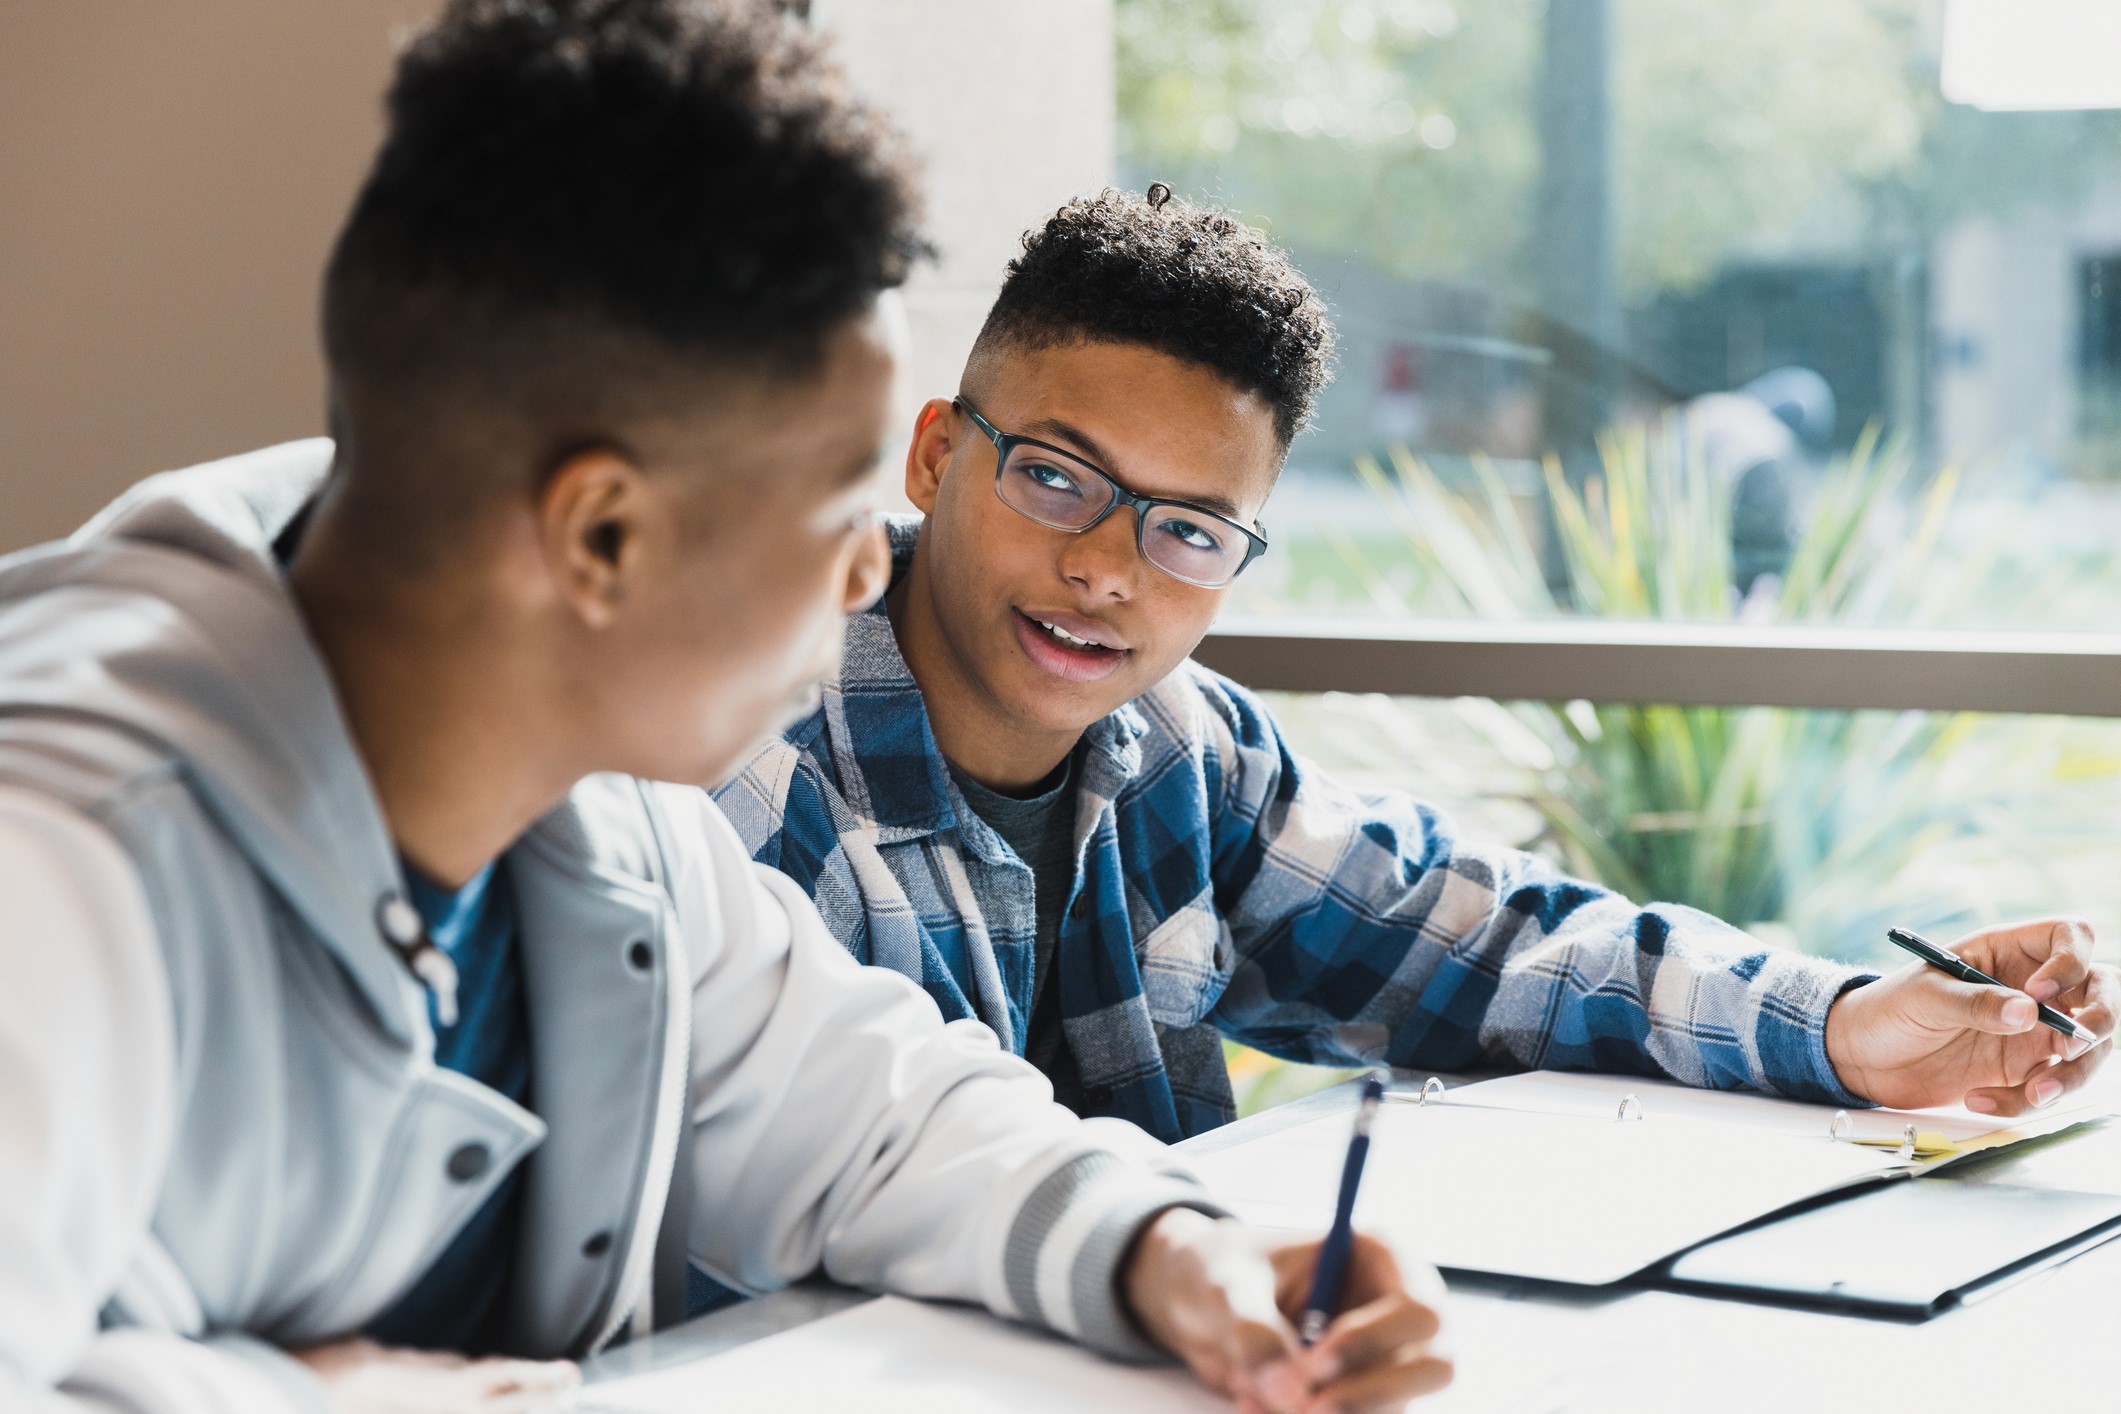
(1146, 1275)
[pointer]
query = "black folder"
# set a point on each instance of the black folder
(1907, 1249)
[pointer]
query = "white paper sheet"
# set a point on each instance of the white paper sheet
(1568, 1197)
(893, 1356)
(1535, 1176)
(2089, 1161)
(1559, 1092)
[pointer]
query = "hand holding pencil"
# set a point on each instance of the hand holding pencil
(2006, 1021)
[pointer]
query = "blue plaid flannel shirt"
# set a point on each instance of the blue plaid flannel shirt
(1224, 887)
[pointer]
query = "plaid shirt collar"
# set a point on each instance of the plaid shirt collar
(878, 728)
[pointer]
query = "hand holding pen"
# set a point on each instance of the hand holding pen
(2006, 1021)
(1237, 1325)
(1952, 965)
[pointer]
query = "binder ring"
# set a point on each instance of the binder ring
(1630, 1107)
(1432, 1088)
(1907, 1144)
(1838, 1127)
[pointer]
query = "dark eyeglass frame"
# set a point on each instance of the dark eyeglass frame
(1005, 442)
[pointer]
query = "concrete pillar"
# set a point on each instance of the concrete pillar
(1574, 221)
(1012, 107)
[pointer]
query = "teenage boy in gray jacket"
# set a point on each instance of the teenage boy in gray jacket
(355, 990)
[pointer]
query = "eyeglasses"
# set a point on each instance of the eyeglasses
(1060, 490)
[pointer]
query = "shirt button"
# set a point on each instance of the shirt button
(597, 1245)
(1099, 1096)
(1081, 910)
(469, 1161)
(640, 957)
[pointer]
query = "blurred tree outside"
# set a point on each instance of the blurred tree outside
(1404, 129)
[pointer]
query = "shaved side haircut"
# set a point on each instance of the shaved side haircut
(587, 212)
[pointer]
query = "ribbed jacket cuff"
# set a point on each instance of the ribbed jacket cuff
(153, 1372)
(1062, 1261)
(296, 1381)
(1792, 1032)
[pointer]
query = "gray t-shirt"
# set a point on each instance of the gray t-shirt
(1041, 829)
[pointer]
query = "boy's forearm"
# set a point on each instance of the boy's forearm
(1487, 954)
(845, 1126)
(1695, 998)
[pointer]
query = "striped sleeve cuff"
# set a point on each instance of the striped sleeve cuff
(1791, 1031)
(1062, 1260)
(155, 1372)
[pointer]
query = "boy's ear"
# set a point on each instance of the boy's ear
(593, 527)
(934, 438)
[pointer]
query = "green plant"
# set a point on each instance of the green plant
(1799, 821)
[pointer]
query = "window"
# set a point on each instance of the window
(1539, 224)
(1802, 312)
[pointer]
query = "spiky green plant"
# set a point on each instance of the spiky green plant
(1758, 815)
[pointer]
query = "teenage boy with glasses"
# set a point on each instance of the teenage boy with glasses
(358, 991)
(1021, 794)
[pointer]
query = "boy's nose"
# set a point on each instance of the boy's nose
(1104, 560)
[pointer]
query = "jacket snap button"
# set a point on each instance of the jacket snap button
(398, 920)
(469, 1161)
(1081, 910)
(640, 957)
(1099, 1096)
(597, 1245)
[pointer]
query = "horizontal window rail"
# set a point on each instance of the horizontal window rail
(1704, 665)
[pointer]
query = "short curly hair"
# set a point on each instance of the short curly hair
(1178, 278)
(689, 170)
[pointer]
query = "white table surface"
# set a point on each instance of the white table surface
(1527, 1348)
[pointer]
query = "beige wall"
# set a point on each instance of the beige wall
(171, 175)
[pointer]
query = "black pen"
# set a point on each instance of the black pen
(1938, 958)
(1333, 1252)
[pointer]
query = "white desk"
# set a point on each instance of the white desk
(1524, 1348)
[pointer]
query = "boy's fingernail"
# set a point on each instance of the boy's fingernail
(1981, 1104)
(2020, 1011)
(2044, 990)
(1281, 1386)
(1324, 1365)
(2046, 1092)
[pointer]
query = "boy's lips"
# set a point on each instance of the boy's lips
(1076, 626)
(1094, 652)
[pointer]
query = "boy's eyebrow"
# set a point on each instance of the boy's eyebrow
(1053, 427)
(1069, 432)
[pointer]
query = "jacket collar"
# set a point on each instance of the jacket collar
(182, 634)
(892, 774)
